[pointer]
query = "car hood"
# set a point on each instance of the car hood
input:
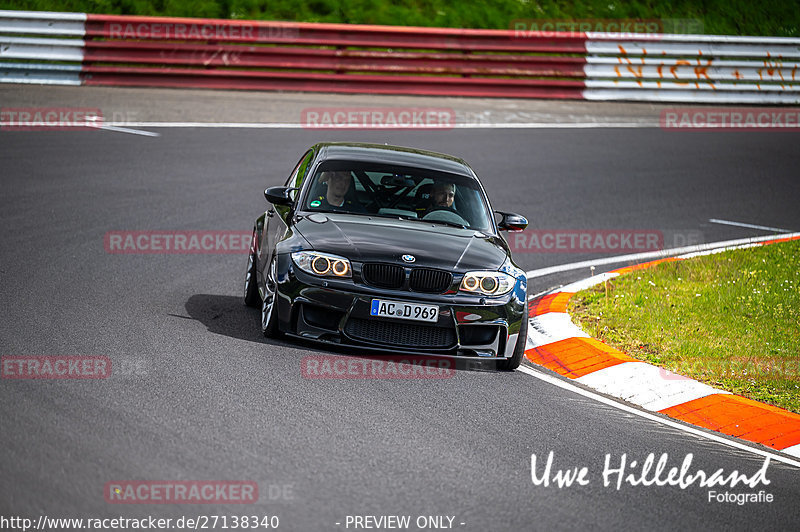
(365, 238)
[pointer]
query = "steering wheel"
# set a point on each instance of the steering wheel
(439, 213)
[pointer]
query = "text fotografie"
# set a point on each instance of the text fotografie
(646, 473)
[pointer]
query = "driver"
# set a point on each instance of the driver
(334, 199)
(442, 195)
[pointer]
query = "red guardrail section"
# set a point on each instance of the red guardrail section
(226, 54)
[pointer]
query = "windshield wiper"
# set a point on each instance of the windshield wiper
(451, 224)
(394, 217)
(413, 219)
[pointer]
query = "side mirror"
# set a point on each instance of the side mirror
(512, 222)
(279, 195)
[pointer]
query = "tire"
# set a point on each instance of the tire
(251, 297)
(513, 363)
(269, 318)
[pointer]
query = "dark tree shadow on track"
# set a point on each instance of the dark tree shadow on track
(228, 316)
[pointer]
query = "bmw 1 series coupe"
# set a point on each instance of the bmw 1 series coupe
(396, 249)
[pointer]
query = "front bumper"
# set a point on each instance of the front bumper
(338, 312)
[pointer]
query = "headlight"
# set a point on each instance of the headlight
(322, 264)
(487, 283)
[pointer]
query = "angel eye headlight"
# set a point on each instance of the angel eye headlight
(487, 283)
(340, 267)
(322, 264)
(470, 283)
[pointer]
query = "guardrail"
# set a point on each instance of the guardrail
(81, 49)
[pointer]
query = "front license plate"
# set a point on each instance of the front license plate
(406, 311)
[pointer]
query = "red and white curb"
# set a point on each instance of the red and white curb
(557, 344)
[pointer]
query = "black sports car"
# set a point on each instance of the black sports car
(388, 248)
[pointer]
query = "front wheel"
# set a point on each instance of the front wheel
(269, 315)
(519, 349)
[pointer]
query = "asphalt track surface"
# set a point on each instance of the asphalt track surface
(210, 398)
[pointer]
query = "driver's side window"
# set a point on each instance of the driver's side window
(300, 171)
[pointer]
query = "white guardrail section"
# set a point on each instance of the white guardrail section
(693, 68)
(41, 47)
(47, 48)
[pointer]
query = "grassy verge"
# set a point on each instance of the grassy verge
(723, 17)
(731, 319)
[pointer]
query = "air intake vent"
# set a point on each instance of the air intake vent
(432, 281)
(400, 334)
(383, 275)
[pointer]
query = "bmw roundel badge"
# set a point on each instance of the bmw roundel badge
(408, 258)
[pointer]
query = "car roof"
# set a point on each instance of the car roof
(399, 155)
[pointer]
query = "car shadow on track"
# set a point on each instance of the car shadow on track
(228, 316)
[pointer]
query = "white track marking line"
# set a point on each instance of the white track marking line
(222, 125)
(292, 125)
(653, 417)
(587, 283)
(132, 131)
(558, 125)
(40, 126)
(750, 226)
(794, 450)
(541, 294)
(714, 251)
(662, 254)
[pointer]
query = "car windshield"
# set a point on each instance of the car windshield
(398, 192)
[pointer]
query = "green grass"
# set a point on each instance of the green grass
(724, 17)
(731, 319)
